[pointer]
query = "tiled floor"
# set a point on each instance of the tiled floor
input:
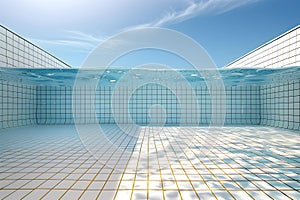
(55, 162)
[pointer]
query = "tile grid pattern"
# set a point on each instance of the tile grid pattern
(272, 105)
(15, 51)
(280, 52)
(280, 105)
(17, 104)
(150, 102)
(158, 163)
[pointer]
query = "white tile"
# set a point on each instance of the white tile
(200, 185)
(36, 194)
(172, 194)
(111, 185)
(54, 194)
(276, 195)
(140, 185)
(234, 152)
(72, 194)
(223, 195)
(64, 184)
(155, 185)
(33, 184)
(4, 193)
(292, 194)
(156, 195)
(240, 195)
(126, 185)
(81, 185)
(259, 195)
(107, 194)
(263, 185)
(18, 194)
(184, 185)
(17, 184)
(206, 195)
(139, 194)
(189, 195)
(123, 194)
(89, 194)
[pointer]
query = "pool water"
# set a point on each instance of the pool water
(149, 134)
(150, 97)
(111, 75)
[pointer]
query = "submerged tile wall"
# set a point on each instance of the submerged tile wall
(276, 105)
(280, 105)
(17, 104)
(243, 105)
(149, 104)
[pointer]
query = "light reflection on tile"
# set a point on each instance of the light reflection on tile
(160, 163)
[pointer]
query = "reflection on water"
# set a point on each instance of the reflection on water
(110, 77)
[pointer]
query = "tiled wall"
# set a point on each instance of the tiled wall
(280, 105)
(276, 105)
(149, 104)
(16, 51)
(243, 105)
(281, 52)
(17, 104)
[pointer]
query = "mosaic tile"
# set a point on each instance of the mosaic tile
(217, 165)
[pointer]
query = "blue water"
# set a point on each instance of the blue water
(109, 77)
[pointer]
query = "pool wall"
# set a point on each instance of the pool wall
(17, 104)
(54, 105)
(280, 104)
(17, 52)
(282, 51)
(274, 105)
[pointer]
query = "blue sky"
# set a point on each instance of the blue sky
(227, 29)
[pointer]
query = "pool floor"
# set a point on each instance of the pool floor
(150, 162)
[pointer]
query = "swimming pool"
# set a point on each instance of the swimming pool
(174, 97)
(156, 134)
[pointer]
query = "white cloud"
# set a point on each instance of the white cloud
(195, 8)
(171, 12)
(75, 39)
(77, 35)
